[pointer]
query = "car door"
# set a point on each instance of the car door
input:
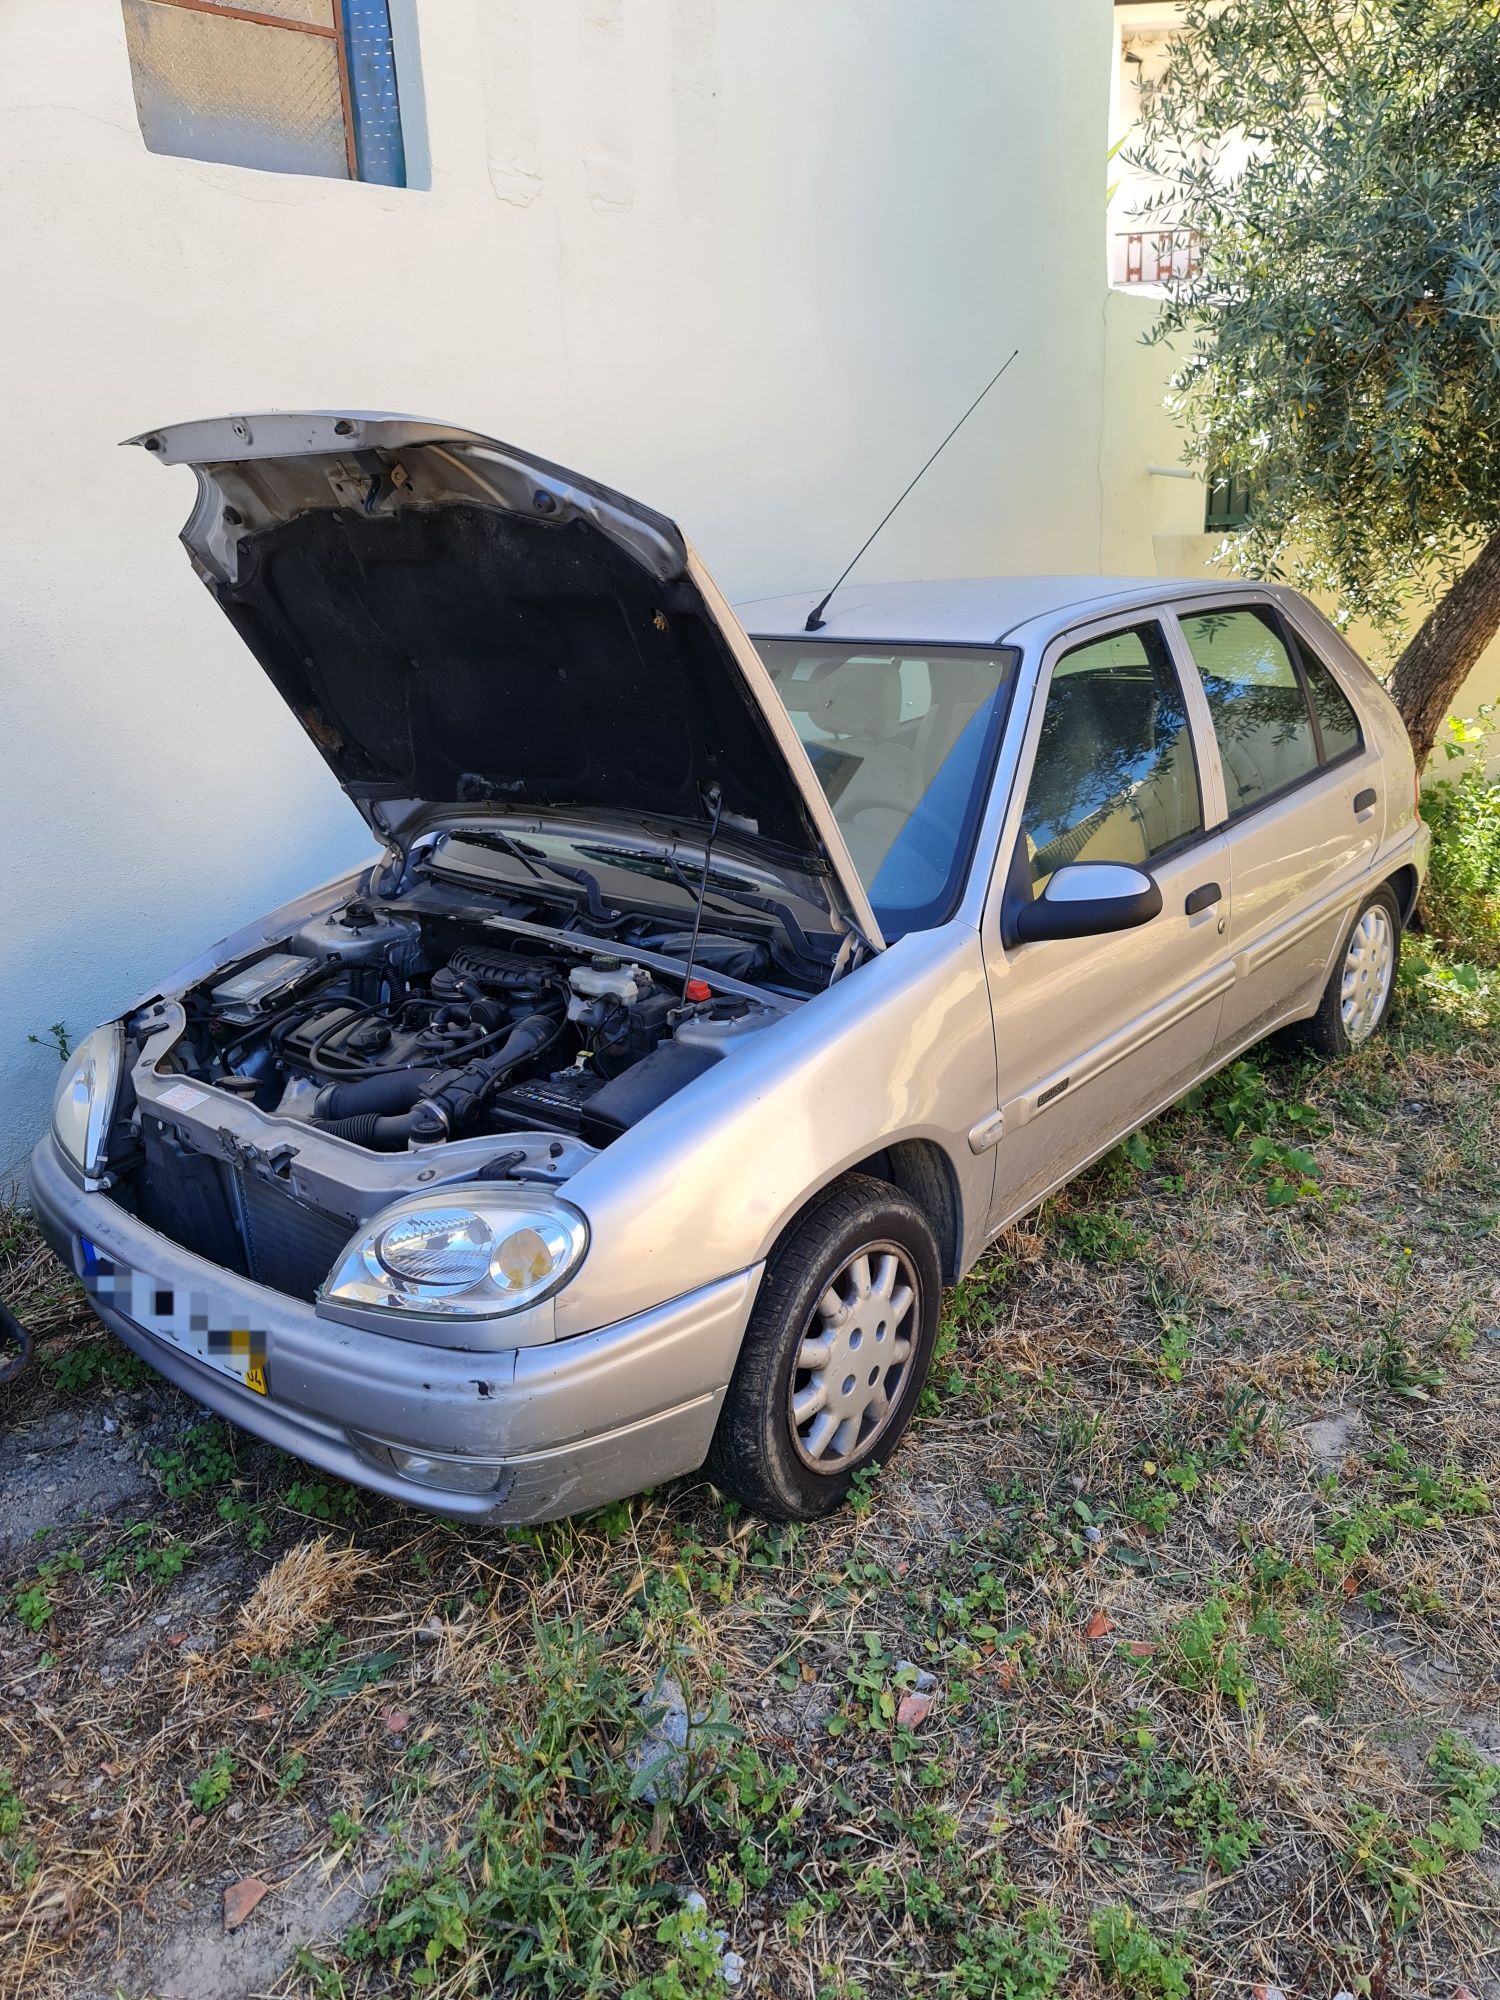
(1094, 1034)
(1302, 806)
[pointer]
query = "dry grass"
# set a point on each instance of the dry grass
(1195, 1536)
(297, 1594)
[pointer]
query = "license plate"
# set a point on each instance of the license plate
(194, 1321)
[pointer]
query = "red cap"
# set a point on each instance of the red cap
(697, 989)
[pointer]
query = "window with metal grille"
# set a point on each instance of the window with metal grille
(1228, 503)
(291, 86)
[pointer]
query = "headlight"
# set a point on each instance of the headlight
(467, 1253)
(85, 1100)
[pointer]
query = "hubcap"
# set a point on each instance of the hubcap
(1369, 964)
(856, 1349)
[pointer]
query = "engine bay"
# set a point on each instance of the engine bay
(393, 1029)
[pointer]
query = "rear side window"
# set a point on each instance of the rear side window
(1260, 713)
(1114, 777)
(1337, 721)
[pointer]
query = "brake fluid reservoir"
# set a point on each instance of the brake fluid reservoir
(592, 987)
(606, 978)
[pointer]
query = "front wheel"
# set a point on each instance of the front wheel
(1357, 999)
(837, 1349)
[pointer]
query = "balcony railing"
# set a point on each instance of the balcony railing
(1159, 256)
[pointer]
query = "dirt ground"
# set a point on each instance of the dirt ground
(1164, 1660)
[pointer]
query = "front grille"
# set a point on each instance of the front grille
(288, 1245)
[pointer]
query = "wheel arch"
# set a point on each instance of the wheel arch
(922, 1170)
(1406, 884)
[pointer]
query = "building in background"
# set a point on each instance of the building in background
(747, 262)
(1160, 518)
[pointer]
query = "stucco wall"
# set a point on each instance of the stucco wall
(744, 258)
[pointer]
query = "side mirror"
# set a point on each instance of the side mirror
(1086, 899)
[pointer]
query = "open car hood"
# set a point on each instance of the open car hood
(458, 626)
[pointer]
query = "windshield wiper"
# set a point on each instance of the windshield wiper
(508, 844)
(534, 862)
(739, 896)
(667, 865)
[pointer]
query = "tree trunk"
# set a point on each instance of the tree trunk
(1441, 653)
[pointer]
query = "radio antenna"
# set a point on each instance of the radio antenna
(815, 619)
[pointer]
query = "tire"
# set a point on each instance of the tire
(1368, 960)
(800, 1470)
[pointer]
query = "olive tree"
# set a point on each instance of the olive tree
(1339, 337)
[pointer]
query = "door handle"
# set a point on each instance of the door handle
(1364, 802)
(1202, 898)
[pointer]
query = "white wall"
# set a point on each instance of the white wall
(745, 258)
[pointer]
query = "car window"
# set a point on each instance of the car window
(1260, 714)
(916, 690)
(1114, 777)
(1336, 718)
(903, 744)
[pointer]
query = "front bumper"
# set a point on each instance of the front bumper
(570, 1425)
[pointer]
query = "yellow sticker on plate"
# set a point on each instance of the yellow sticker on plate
(255, 1377)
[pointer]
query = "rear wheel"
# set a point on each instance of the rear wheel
(835, 1355)
(1357, 1000)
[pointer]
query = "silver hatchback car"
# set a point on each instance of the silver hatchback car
(715, 998)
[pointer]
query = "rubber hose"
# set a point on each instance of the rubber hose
(12, 1334)
(370, 1128)
(457, 1093)
(393, 1090)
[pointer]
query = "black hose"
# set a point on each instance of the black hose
(443, 1102)
(390, 1091)
(12, 1334)
(368, 1128)
(353, 1069)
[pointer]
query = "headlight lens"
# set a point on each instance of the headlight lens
(85, 1100)
(464, 1254)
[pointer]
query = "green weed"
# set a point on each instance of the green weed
(1005, 1960)
(1202, 1657)
(94, 1363)
(1101, 1236)
(1403, 1864)
(203, 1460)
(1461, 898)
(558, 1869)
(1408, 1499)
(1132, 1959)
(212, 1786)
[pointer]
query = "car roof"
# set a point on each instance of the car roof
(966, 610)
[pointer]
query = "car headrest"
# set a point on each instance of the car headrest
(858, 698)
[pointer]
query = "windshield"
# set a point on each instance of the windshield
(903, 743)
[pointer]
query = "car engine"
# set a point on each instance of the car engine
(391, 1030)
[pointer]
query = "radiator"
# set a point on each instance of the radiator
(288, 1246)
